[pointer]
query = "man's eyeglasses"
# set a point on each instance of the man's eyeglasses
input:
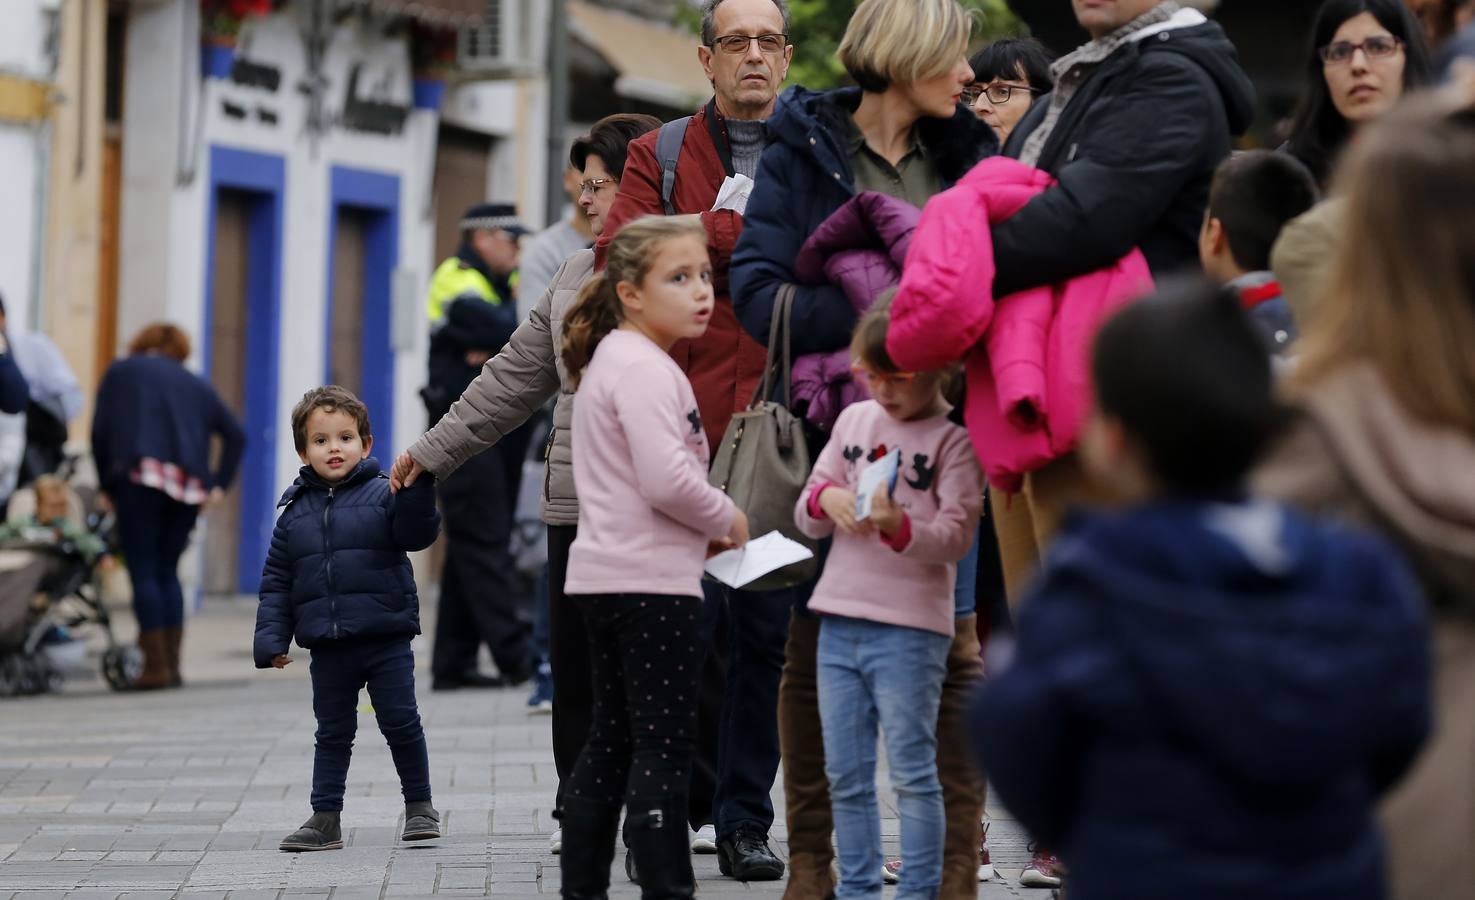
(875, 379)
(592, 185)
(770, 44)
(1340, 53)
(998, 94)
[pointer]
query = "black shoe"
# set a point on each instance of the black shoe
(745, 856)
(465, 680)
(588, 847)
(321, 832)
(422, 822)
(660, 848)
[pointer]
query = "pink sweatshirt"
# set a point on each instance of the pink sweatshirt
(908, 580)
(646, 511)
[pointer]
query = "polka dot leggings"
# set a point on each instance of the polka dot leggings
(646, 668)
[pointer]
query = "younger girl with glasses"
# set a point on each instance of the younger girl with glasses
(886, 604)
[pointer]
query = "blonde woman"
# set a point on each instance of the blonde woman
(1384, 435)
(904, 133)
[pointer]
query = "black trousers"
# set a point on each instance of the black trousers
(573, 683)
(645, 660)
(478, 590)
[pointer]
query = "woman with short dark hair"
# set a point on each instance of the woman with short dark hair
(1008, 75)
(151, 440)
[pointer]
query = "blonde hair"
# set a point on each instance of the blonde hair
(902, 41)
(598, 310)
(1401, 291)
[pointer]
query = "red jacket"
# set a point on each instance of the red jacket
(725, 364)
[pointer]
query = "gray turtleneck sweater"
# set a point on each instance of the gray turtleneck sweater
(747, 138)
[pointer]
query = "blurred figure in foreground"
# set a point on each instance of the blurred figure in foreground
(1212, 686)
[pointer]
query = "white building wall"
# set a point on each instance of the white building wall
(23, 153)
(166, 199)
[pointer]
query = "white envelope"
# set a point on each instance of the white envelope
(762, 555)
(734, 194)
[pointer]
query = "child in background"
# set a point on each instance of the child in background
(1253, 195)
(646, 519)
(338, 579)
(51, 520)
(886, 604)
(1207, 685)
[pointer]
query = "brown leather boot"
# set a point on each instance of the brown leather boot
(806, 790)
(962, 785)
(173, 639)
(155, 674)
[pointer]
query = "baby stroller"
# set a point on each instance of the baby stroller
(51, 600)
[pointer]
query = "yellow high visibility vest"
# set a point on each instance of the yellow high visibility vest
(454, 278)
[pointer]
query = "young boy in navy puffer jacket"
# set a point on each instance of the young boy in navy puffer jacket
(339, 580)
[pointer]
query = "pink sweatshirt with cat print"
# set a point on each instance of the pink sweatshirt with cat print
(646, 511)
(907, 580)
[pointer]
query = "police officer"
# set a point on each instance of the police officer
(472, 309)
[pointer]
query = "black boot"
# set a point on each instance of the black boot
(661, 847)
(422, 822)
(321, 832)
(588, 847)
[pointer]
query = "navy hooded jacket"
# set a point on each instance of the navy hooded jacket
(337, 568)
(1134, 153)
(1206, 701)
(803, 177)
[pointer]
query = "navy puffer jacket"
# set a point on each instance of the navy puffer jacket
(803, 178)
(337, 567)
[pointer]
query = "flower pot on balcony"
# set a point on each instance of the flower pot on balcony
(429, 92)
(217, 56)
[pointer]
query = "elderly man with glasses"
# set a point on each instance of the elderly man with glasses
(745, 53)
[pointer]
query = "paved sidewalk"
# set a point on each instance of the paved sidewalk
(188, 792)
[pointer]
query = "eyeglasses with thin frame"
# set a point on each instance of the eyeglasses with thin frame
(1340, 53)
(770, 44)
(592, 185)
(878, 378)
(998, 93)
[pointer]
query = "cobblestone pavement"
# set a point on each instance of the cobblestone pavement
(188, 792)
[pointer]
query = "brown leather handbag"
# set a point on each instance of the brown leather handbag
(763, 461)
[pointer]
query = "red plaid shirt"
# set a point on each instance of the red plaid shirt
(171, 479)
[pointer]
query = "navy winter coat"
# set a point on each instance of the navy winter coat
(1206, 701)
(803, 177)
(1133, 154)
(337, 567)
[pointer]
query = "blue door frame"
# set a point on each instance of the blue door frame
(263, 177)
(377, 194)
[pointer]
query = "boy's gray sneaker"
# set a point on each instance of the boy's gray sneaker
(422, 822)
(321, 832)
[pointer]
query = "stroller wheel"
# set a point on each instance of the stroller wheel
(121, 667)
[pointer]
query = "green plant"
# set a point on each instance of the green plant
(818, 25)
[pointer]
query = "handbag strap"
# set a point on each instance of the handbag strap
(779, 361)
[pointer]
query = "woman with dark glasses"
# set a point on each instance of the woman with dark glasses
(1007, 77)
(1365, 55)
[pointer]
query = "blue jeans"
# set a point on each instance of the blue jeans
(339, 669)
(872, 674)
(154, 531)
(748, 751)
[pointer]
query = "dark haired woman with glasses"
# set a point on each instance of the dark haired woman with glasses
(1365, 55)
(1007, 77)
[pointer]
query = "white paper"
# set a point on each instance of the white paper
(734, 193)
(874, 478)
(760, 556)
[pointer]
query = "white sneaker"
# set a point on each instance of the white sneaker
(555, 842)
(704, 839)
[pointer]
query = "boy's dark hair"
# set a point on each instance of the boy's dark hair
(1188, 378)
(332, 398)
(1254, 195)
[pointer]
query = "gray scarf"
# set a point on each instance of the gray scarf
(1072, 70)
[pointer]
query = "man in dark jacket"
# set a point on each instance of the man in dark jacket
(471, 305)
(1139, 119)
(745, 53)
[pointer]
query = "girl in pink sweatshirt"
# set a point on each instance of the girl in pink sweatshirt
(646, 520)
(886, 602)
